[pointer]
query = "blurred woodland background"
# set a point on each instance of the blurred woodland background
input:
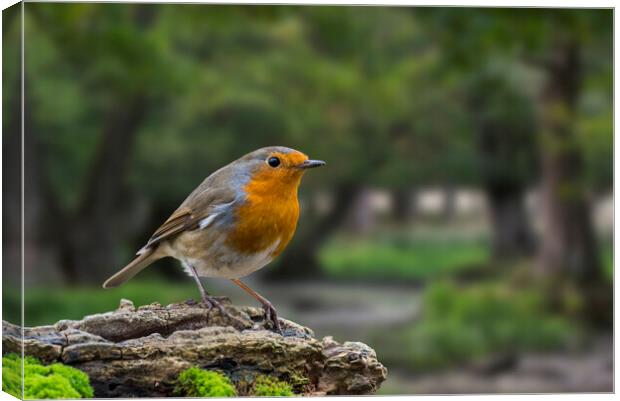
(462, 226)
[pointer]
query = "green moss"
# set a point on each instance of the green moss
(40, 381)
(78, 379)
(195, 382)
(45, 387)
(12, 375)
(266, 386)
(299, 383)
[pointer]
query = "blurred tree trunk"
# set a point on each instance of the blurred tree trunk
(361, 217)
(569, 245)
(512, 235)
(89, 238)
(300, 258)
(39, 259)
(568, 242)
(91, 248)
(85, 251)
(449, 202)
(404, 205)
(11, 175)
(40, 264)
(506, 153)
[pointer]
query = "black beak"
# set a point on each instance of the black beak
(311, 164)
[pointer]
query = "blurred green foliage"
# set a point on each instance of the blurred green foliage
(43, 381)
(402, 258)
(196, 382)
(375, 82)
(47, 305)
(465, 323)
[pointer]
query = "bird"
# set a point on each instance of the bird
(234, 223)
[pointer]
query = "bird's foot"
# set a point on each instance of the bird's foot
(271, 315)
(211, 302)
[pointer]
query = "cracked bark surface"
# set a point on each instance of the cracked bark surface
(139, 352)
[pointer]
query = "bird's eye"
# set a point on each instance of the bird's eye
(273, 162)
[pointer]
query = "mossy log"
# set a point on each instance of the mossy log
(139, 352)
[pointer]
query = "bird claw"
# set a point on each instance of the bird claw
(211, 303)
(272, 316)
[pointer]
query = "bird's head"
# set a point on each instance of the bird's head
(279, 168)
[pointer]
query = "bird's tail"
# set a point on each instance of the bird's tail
(144, 259)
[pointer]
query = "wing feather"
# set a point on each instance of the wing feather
(200, 205)
(176, 223)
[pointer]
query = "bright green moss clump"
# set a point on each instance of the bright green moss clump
(195, 382)
(40, 381)
(11, 375)
(266, 386)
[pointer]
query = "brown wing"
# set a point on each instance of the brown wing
(201, 204)
(179, 221)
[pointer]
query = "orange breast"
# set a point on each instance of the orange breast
(269, 214)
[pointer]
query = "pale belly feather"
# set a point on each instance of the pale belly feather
(214, 258)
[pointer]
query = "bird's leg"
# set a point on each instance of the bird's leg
(204, 295)
(270, 312)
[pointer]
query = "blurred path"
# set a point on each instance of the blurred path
(589, 370)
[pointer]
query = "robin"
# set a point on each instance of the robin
(238, 220)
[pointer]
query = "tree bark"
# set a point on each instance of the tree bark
(140, 352)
